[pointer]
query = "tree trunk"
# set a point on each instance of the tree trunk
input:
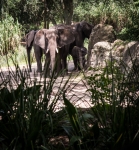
(68, 11)
(44, 16)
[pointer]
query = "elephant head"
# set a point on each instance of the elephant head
(83, 30)
(86, 28)
(50, 39)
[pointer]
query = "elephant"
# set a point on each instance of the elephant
(62, 37)
(81, 30)
(50, 40)
(77, 55)
(37, 50)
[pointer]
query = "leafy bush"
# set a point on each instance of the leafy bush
(10, 35)
(112, 121)
(116, 13)
(28, 118)
(115, 100)
(129, 33)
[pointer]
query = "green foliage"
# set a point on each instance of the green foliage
(114, 108)
(10, 35)
(112, 122)
(27, 111)
(83, 132)
(19, 56)
(37, 14)
(28, 119)
(119, 14)
(129, 34)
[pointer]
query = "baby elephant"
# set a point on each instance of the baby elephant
(78, 55)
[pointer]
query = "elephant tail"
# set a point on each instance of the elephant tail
(29, 43)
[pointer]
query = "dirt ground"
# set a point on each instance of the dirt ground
(76, 89)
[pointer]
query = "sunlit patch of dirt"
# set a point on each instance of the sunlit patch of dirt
(60, 141)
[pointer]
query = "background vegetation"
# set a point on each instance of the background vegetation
(28, 119)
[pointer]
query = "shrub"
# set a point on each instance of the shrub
(10, 35)
(112, 121)
(28, 118)
(115, 100)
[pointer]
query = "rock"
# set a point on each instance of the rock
(103, 51)
(118, 47)
(100, 33)
(100, 53)
(130, 57)
(125, 54)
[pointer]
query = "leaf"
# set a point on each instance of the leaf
(96, 130)
(74, 139)
(87, 116)
(68, 130)
(72, 112)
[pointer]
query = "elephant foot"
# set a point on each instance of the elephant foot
(29, 70)
(39, 71)
(75, 70)
(78, 70)
(64, 74)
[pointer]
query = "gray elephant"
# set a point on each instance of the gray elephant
(81, 31)
(37, 50)
(78, 54)
(64, 37)
(47, 41)
(50, 40)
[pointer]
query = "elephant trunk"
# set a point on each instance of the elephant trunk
(53, 57)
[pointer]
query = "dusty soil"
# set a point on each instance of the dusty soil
(76, 88)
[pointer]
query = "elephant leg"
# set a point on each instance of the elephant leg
(75, 61)
(80, 64)
(47, 66)
(84, 61)
(77, 58)
(63, 53)
(58, 63)
(28, 55)
(64, 64)
(38, 55)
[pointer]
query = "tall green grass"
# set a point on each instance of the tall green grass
(29, 119)
(28, 116)
(112, 122)
(10, 35)
(28, 110)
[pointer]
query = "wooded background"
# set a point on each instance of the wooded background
(42, 13)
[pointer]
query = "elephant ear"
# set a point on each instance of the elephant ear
(65, 37)
(40, 39)
(86, 28)
(29, 38)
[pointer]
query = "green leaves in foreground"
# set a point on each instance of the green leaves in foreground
(84, 131)
(72, 112)
(21, 119)
(115, 107)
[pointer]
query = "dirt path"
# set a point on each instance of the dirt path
(76, 88)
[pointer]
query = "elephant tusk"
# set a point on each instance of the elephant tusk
(47, 50)
(56, 50)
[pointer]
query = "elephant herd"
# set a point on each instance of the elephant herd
(57, 43)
